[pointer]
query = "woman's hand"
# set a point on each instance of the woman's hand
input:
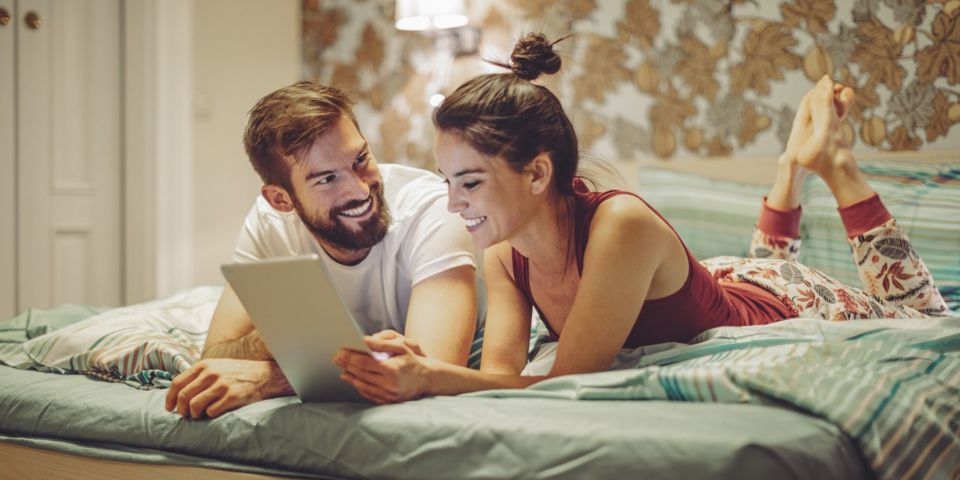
(401, 376)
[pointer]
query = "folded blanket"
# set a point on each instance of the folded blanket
(143, 345)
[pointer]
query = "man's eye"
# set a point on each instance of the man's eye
(326, 179)
(470, 185)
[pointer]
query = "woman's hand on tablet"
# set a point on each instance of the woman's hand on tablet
(396, 372)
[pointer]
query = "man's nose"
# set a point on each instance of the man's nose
(359, 188)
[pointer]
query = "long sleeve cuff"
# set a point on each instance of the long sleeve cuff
(864, 215)
(779, 223)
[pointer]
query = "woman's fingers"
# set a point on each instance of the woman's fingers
(369, 390)
(358, 363)
(394, 346)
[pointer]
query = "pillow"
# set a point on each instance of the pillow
(716, 217)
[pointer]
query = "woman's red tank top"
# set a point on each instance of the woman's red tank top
(700, 304)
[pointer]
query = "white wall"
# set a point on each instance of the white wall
(243, 50)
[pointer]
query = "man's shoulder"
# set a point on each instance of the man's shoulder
(409, 190)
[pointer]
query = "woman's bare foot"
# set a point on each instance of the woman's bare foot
(828, 105)
(826, 152)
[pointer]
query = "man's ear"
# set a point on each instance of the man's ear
(541, 170)
(277, 197)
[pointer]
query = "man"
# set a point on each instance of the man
(400, 259)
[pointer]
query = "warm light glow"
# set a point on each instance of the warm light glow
(436, 99)
(430, 14)
(449, 21)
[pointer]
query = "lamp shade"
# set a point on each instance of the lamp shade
(430, 14)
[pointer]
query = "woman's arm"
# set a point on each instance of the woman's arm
(506, 336)
(629, 246)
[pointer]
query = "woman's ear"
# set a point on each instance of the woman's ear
(277, 197)
(541, 170)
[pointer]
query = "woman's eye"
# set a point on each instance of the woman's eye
(362, 159)
(470, 185)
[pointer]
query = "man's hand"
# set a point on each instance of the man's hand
(213, 387)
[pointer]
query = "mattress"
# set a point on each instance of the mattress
(442, 437)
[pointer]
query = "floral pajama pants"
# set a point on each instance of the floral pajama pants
(895, 282)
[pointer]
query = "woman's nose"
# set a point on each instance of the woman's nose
(455, 204)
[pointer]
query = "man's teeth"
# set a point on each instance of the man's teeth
(472, 222)
(356, 212)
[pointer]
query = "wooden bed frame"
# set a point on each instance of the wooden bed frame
(21, 462)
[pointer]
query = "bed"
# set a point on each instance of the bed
(737, 403)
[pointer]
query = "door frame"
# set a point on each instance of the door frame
(157, 152)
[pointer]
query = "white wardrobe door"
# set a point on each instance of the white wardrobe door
(69, 154)
(8, 219)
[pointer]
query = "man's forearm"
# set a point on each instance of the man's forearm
(247, 347)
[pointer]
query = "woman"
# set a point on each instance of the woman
(603, 269)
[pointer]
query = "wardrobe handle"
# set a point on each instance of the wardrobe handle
(32, 20)
(4, 17)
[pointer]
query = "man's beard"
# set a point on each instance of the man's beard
(334, 231)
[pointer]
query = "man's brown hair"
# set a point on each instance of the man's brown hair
(286, 122)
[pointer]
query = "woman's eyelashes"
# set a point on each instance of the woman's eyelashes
(471, 185)
(362, 159)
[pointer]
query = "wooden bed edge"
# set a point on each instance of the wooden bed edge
(21, 461)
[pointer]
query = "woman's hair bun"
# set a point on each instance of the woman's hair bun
(533, 55)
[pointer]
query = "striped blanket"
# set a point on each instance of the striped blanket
(891, 385)
(143, 345)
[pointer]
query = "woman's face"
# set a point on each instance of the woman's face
(493, 199)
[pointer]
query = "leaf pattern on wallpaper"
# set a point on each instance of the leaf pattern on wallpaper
(753, 123)
(907, 11)
(901, 139)
(697, 66)
(913, 106)
(588, 127)
(573, 9)
(321, 26)
(393, 129)
(371, 51)
(940, 123)
(716, 147)
(768, 51)
(684, 58)
(628, 138)
(879, 54)
(345, 76)
(943, 57)
(641, 23)
(603, 69)
(840, 44)
(813, 14)
(726, 115)
(670, 111)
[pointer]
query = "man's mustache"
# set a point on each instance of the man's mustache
(374, 190)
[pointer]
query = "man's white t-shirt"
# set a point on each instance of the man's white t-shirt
(423, 239)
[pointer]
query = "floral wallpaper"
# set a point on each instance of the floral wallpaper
(666, 79)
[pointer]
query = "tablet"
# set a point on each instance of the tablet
(303, 321)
